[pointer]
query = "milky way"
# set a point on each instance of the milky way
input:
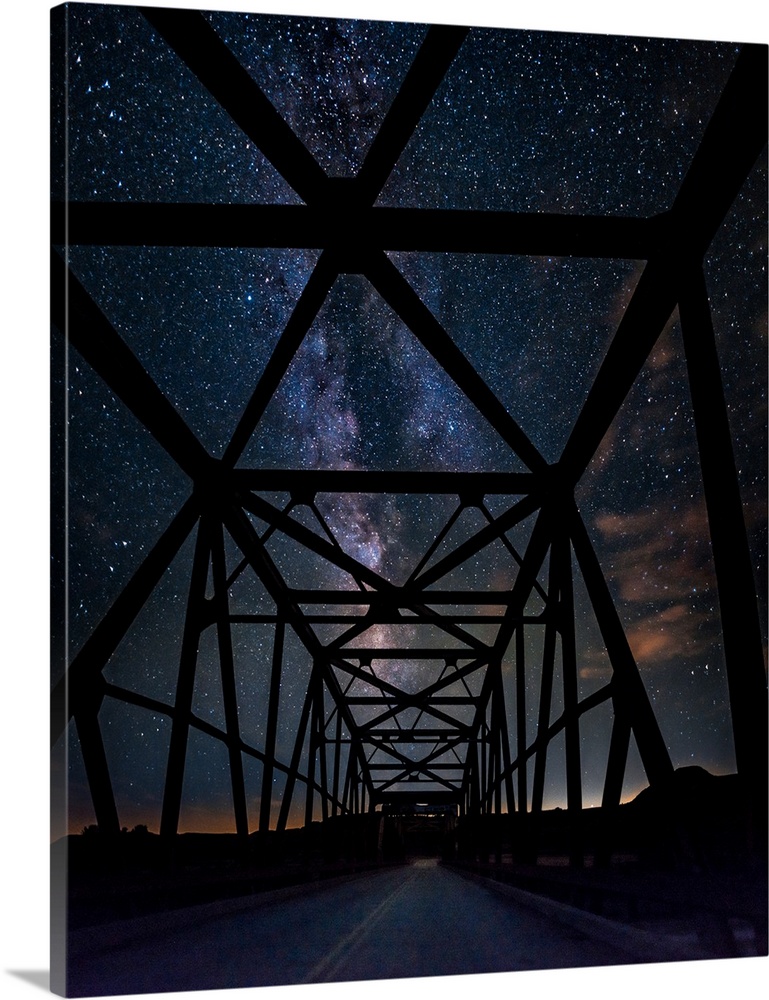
(523, 121)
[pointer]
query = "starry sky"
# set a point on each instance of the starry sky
(523, 121)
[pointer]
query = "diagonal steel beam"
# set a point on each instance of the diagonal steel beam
(628, 687)
(409, 699)
(333, 554)
(649, 309)
(392, 713)
(205, 53)
(733, 139)
(435, 544)
(337, 557)
(511, 548)
(423, 78)
(312, 298)
(399, 294)
(477, 542)
(90, 332)
(444, 747)
(525, 581)
(85, 669)
(429, 775)
(533, 558)
(542, 739)
(202, 726)
(246, 538)
(358, 673)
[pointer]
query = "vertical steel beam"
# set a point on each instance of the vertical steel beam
(496, 768)
(740, 624)
(617, 759)
(347, 793)
(309, 799)
(546, 688)
(322, 745)
(296, 758)
(552, 625)
(265, 803)
(497, 771)
(520, 718)
(504, 736)
(483, 740)
(337, 763)
(497, 778)
(97, 769)
(177, 753)
(562, 550)
(616, 763)
(472, 780)
(315, 743)
(227, 670)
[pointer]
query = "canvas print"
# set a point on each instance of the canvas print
(409, 499)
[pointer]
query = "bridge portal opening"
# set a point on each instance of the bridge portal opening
(418, 829)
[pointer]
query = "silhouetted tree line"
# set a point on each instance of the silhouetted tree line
(140, 830)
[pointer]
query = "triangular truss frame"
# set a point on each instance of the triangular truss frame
(359, 750)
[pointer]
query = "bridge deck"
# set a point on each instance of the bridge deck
(418, 920)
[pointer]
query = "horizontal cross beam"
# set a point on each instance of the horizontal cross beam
(402, 597)
(392, 619)
(304, 484)
(341, 226)
(408, 653)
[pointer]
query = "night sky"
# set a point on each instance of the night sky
(523, 121)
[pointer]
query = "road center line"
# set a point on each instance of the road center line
(325, 970)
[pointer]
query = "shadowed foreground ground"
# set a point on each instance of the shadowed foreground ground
(416, 920)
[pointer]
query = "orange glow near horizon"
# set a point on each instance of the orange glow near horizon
(193, 819)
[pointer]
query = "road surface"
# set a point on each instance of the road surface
(420, 920)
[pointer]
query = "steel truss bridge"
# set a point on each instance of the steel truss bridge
(363, 742)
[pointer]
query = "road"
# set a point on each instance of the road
(420, 920)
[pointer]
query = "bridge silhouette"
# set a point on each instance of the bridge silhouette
(414, 732)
